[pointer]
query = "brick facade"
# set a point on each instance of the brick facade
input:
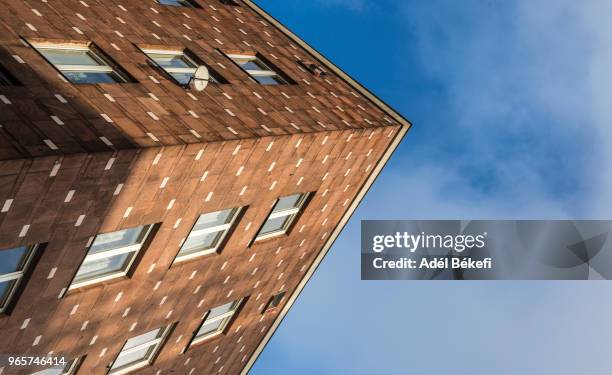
(150, 151)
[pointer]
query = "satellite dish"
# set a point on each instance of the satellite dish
(200, 78)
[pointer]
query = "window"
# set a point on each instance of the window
(258, 69)
(208, 233)
(179, 64)
(275, 301)
(13, 265)
(139, 351)
(216, 321)
(179, 3)
(69, 369)
(283, 213)
(111, 255)
(313, 68)
(81, 64)
(6, 78)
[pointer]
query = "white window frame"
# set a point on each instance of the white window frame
(182, 53)
(218, 228)
(269, 72)
(226, 318)
(111, 253)
(107, 68)
(156, 344)
(71, 370)
(17, 275)
(290, 213)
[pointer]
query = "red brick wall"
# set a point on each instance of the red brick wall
(321, 136)
(314, 104)
(38, 201)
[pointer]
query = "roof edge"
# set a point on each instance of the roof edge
(348, 79)
(405, 126)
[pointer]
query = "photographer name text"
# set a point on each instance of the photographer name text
(433, 263)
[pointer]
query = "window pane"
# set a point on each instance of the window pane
(103, 267)
(118, 239)
(276, 300)
(269, 80)
(138, 355)
(93, 77)
(214, 219)
(274, 225)
(176, 3)
(182, 78)
(144, 338)
(133, 357)
(198, 243)
(81, 66)
(12, 260)
(287, 202)
(172, 61)
(252, 65)
(208, 328)
(71, 57)
(50, 371)
(211, 326)
(5, 289)
(56, 370)
(220, 310)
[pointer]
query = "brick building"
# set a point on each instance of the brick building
(147, 225)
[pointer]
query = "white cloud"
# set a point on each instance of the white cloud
(529, 94)
(597, 24)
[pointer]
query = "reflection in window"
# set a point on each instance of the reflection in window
(13, 264)
(111, 255)
(81, 64)
(208, 233)
(275, 301)
(258, 69)
(178, 64)
(68, 369)
(283, 213)
(216, 321)
(139, 351)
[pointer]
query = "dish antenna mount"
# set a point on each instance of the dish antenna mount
(200, 79)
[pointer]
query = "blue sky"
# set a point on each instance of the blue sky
(511, 105)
